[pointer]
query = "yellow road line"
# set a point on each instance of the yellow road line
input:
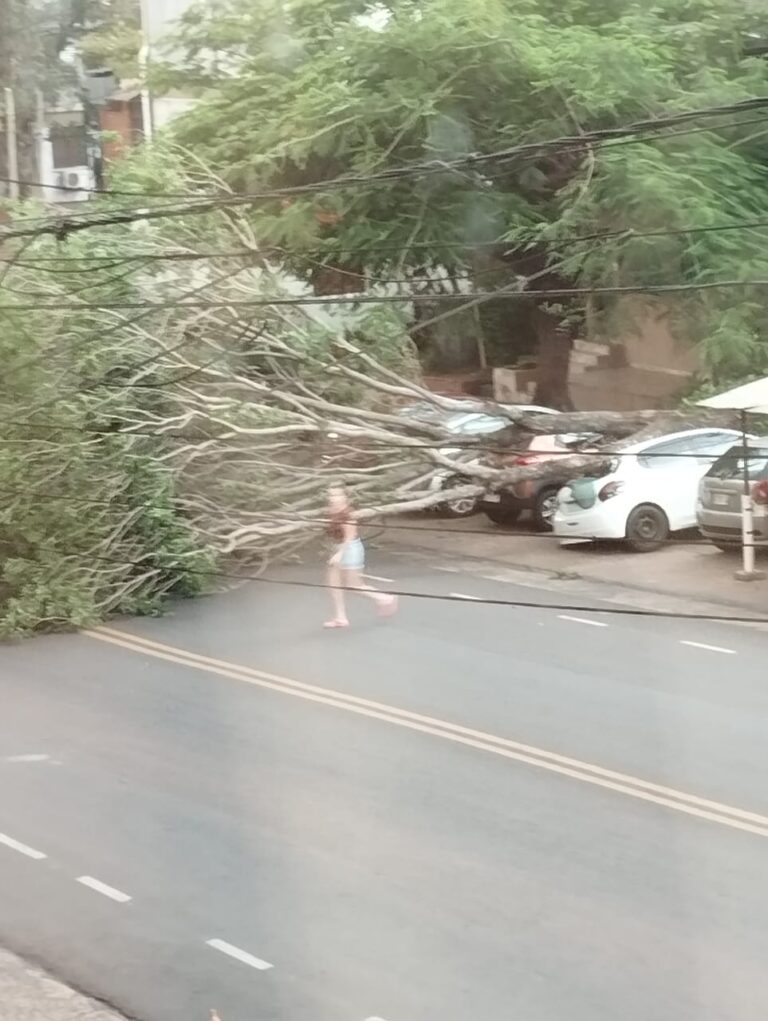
(576, 769)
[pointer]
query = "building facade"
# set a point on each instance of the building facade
(158, 19)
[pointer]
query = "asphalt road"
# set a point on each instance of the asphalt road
(464, 812)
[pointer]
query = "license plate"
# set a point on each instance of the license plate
(492, 498)
(720, 499)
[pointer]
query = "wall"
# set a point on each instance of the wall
(649, 341)
(47, 171)
(121, 117)
(158, 19)
(639, 363)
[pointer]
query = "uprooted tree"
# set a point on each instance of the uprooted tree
(171, 408)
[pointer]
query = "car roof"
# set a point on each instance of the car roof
(636, 448)
(753, 441)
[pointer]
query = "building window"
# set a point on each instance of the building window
(70, 148)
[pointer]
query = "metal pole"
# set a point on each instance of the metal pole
(147, 106)
(11, 142)
(748, 572)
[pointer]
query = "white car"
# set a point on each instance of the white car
(647, 491)
(471, 424)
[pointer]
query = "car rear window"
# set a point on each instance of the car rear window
(730, 465)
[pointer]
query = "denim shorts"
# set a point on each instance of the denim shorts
(352, 555)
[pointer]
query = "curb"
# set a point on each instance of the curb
(611, 591)
(29, 993)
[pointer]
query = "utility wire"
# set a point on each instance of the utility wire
(579, 142)
(321, 524)
(576, 144)
(390, 299)
(622, 234)
(433, 597)
(444, 443)
(63, 227)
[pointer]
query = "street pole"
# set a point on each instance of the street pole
(11, 142)
(747, 572)
(147, 106)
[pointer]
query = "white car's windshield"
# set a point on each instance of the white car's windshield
(468, 425)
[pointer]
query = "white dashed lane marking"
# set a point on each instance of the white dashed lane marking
(376, 577)
(710, 648)
(239, 955)
(26, 758)
(102, 888)
(16, 845)
(582, 620)
(463, 595)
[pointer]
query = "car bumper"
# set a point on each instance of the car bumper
(506, 499)
(598, 522)
(725, 526)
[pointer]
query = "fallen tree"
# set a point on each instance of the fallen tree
(159, 429)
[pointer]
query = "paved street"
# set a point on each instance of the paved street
(467, 811)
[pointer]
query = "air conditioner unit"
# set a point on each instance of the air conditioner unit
(73, 182)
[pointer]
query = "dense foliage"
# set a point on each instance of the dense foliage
(142, 445)
(299, 93)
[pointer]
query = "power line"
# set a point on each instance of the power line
(622, 234)
(448, 442)
(320, 524)
(38, 359)
(389, 299)
(581, 142)
(433, 597)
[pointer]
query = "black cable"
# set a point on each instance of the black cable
(143, 314)
(446, 443)
(65, 226)
(623, 234)
(321, 524)
(578, 142)
(480, 601)
(626, 234)
(389, 299)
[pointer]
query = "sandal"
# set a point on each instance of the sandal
(336, 623)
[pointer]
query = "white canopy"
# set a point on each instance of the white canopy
(749, 397)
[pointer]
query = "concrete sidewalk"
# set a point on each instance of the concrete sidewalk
(686, 569)
(28, 994)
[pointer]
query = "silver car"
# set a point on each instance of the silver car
(718, 510)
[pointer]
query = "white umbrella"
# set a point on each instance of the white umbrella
(749, 398)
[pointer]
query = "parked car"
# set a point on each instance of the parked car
(467, 425)
(647, 491)
(538, 496)
(718, 510)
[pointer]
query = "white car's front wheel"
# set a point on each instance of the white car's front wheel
(647, 528)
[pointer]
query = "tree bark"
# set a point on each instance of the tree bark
(329, 280)
(553, 363)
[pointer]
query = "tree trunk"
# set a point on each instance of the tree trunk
(331, 279)
(553, 357)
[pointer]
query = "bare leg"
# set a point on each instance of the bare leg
(336, 590)
(354, 581)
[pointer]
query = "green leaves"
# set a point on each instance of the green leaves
(438, 80)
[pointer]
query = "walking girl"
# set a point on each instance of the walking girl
(345, 566)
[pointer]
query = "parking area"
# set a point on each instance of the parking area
(687, 567)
